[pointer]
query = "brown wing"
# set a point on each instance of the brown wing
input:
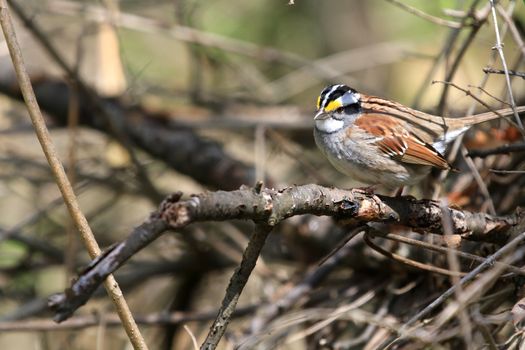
(395, 141)
(429, 127)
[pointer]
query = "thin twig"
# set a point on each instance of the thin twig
(453, 263)
(60, 176)
(444, 250)
(496, 171)
(514, 31)
(341, 244)
(468, 93)
(332, 317)
(458, 142)
(311, 279)
(501, 71)
(337, 66)
(409, 262)
(499, 48)
(474, 290)
(179, 32)
(192, 336)
(489, 94)
(445, 51)
(426, 16)
(92, 97)
(237, 283)
(479, 19)
(479, 181)
(470, 276)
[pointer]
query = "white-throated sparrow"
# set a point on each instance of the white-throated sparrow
(377, 141)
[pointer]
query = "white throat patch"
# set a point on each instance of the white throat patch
(329, 125)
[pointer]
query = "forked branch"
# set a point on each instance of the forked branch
(269, 207)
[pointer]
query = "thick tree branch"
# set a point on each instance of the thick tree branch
(181, 148)
(271, 206)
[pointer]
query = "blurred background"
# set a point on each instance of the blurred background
(145, 98)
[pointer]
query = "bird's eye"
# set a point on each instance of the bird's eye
(349, 109)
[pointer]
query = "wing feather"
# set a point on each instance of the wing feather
(396, 141)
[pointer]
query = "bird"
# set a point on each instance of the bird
(377, 141)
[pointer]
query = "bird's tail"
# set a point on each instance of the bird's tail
(483, 117)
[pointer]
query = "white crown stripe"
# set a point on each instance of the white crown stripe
(328, 96)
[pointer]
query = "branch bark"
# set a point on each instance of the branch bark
(270, 206)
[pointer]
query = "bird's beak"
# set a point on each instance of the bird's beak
(321, 115)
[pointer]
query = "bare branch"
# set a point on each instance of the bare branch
(182, 33)
(479, 19)
(426, 16)
(499, 48)
(445, 250)
(501, 71)
(93, 99)
(61, 179)
(271, 207)
(509, 247)
(311, 279)
(469, 93)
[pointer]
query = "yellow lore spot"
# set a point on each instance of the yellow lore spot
(333, 105)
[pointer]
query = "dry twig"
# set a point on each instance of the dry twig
(271, 207)
(499, 48)
(509, 247)
(61, 178)
(426, 16)
(501, 71)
